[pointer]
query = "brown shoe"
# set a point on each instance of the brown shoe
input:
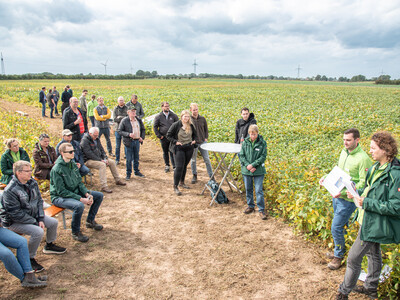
(263, 216)
(119, 182)
(341, 296)
(106, 190)
(330, 255)
(335, 263)
(249, 210)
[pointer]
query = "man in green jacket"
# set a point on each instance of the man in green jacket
(355, 162)
(378, 215)
(68, 191)
(252, 157)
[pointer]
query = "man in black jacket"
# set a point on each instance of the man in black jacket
(119, 112)
(242, 125)
(96, 158)
(132, 131)
(42, 99)
(162, 122)
(74, 120)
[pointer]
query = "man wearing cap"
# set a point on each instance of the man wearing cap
(78, 155)
(133, 132)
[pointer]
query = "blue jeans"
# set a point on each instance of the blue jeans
(132, 156)
(118, 139)
(43, 108)
(106, 132)
(55, 106)
(51, 110)
(92, 120)
(342, 210)
(204, 154)
(84, 170)
(16, 266)
(258, 184)
(77, 208)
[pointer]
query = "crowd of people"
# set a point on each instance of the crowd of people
(79, 151)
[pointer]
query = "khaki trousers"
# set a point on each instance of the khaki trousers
(101, 166)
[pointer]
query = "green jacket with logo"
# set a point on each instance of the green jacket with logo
(253, 154)
(381, 221)
(66, 181)
(356, 163)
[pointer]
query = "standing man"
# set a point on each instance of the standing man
(42, 99)
(73, 120)
(137, 105)
(68, 191)
(242, 125)
(102, 116)
(83, 104)
(120, 112)
(23, 213)
(355, 162)
(200, 124)
(50, 100)
(65, 96)
(132, 130)
(56, 96)
(162, 122)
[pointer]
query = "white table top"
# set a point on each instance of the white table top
(222, 147)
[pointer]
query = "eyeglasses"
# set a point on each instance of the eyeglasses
(30, 171)
(70, 152)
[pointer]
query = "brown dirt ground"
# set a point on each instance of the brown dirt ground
(158, 246)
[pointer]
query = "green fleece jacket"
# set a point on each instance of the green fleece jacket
(253, 154)
(66, 181)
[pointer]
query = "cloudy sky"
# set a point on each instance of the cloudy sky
(265, 37)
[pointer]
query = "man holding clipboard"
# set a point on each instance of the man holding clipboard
(355, 162)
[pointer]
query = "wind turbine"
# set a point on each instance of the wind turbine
(105, 67)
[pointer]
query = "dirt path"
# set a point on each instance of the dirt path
(158, 246)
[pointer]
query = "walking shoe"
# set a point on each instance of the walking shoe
(127, 178)
(94, 225)
(117, 162)
(263, 216)
(194, 179)
(78, 236)
(119, 182)
(330, 255)
(51, 248)
(42, 277)
(31, 281)
(138, 174)
(249, 210)
(35, 266)
(106, 190)
(166, 169)
(111, 154)
(341, 296)
(335, 263)
(362, 290)
(177, 191)
(182, 184)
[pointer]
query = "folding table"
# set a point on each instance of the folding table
(220, 150)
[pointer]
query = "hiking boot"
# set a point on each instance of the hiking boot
(35, 266)
(263, 216)
(78, 236)
(111, 154)
(119, 182)
(138, 174)
(42, 277)
(341, 296)
(106, 190)
(31, 281)
(127, 178)
(194, 179)
(94, 225)
(182, 184)
(249, 210)
(362, 290)
(166, 169)
(117, 162)
(335, 263)
(51, 248)
(177, 191)
(330, 255)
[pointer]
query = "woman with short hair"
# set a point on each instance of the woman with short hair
(44, 156)
(13, 153)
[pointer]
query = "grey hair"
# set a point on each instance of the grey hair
(43, 136)
(19, 165)
(94, 129)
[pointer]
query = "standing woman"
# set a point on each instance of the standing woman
(252, 157)
(378, 216)
(44, 156)
(65, 99)
(13, 154)
(182, 137)
(90, 107)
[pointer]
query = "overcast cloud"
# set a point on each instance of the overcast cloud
(261, 37)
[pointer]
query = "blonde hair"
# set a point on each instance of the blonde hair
(188, 129)
(253, 128)
(8, 142)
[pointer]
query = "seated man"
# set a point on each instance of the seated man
(78, 155)
(96, 158)
(68, 191)
(22, 212)
(44, 156)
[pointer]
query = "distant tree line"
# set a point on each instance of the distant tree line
(140, 74)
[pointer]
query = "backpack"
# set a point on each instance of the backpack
(213, 187)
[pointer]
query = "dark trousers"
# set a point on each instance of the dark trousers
(132, 156)
(64, 106)
(183, 155)
(166, 153)
(92, 120)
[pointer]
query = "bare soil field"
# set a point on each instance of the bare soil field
(156, 245)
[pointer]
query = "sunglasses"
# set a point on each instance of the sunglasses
(70, 152)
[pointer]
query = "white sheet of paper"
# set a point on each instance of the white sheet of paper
(350, 186)
(334, 182)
